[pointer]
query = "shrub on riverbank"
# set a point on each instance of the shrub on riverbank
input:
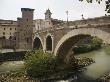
(94, 44)
(39, 64)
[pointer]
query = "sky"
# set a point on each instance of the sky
(11, 9)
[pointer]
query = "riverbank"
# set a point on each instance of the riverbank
(22, 77)
(16, 77)
(101, 65)
(104, 78)
(12, 66)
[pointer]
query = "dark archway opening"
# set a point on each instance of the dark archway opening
(37, 44)
(49, 43)
(67, 46)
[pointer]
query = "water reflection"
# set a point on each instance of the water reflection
(97, 69)
(102, 65)
(12, 66)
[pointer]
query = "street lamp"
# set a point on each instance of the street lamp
(82, 16)
(67, 18)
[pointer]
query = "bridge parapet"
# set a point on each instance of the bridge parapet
(60, 27)
(97, 20)
(86, 23)
(52, 28)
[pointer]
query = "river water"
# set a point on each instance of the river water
(12, 66)
(93, 71)
(97, 69)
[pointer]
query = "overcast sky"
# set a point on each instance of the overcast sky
(11, 9)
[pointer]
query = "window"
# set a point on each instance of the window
(25, 9)
(49, 22)
(38, 27)
(27, 40)
(11, 22)
(15, 28)
(4, 28)
(27, 19)
(20, 29)
(10, 28)
(18, 25)
(10, 33)
(14, 38)
(3, 33)
(10, 37)
(4, 37)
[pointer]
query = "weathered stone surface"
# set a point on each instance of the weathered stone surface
(63, 35)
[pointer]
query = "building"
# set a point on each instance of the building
(46, 23)
(19, 34)
(25, 29)
(7, 33)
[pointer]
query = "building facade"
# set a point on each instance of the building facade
(25, 29)
(7, 33)
(19, 34)
(46, 23)
(27, 33)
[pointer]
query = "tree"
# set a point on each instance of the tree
(39, 64)
(107, 3)
(43, 65)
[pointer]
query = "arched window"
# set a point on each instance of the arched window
(49, 43)
(14, 38)
(27, 39)
(10, 37)
(4, 37)
(37, 43)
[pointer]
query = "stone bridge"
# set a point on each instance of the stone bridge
(59, 39)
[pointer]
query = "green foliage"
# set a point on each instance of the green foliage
(90, 1)
(39, 64)
(96, 40)
(107, 3)
(94, 44)
(107, 6)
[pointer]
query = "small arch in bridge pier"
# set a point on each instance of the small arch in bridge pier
(49, 43)
(37, 43)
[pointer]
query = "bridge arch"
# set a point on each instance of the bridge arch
(37, 44)
(65, 43)
(49, 43)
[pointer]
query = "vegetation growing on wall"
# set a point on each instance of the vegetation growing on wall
(94, 44)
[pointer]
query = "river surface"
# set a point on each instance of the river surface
(99, 68)
(93, 71)
(12, 66)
